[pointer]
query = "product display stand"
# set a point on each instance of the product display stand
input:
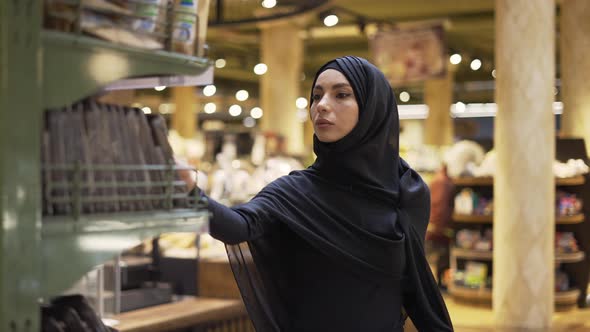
(576, 264)
(42, 257)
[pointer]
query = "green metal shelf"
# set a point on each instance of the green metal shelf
(76, 66)
(71, 247)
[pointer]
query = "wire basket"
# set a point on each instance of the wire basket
(78, 189)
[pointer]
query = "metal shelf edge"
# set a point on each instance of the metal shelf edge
(76, 66)
(72, 248)
(99, 223)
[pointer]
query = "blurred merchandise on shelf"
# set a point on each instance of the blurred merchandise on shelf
(423, 158)
(475, 240)
(464, 202)
(230, 177)
(475, 276)
(571, 168)
(147, 14)
(565, 242)
(236, 180)
(462, 157)
(147, 24)
(467, 159)
(562, 281)
(106, 158)
(487, 168)
(71, 313)
(184, 26)
(567, 204)
(468, 202)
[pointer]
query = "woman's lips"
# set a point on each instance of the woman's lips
(323, 123)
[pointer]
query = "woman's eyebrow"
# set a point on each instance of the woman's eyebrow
(335, 86)
(341, 85)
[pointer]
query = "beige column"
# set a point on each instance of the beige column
(575, 66)
(438, 96)
(183, 119)
(282, 51)
(524, 189)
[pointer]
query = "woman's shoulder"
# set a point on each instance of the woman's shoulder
(294, 180)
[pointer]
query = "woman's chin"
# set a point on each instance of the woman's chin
(327, 138)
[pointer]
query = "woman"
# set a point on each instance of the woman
(338, 246)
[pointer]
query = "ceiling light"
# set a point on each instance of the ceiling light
(260, 69)
(235, 110)
(455, 59)
(330, 20)
(220, 63)
(269, 3)
(160, 88)
(475, 64)
(249, 122)
(209, 90)
(210, 108)
(242, 95)
(404, 96)
(146, 110)
(301, 102)
(256, 112)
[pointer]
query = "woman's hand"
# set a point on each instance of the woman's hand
(186, 174)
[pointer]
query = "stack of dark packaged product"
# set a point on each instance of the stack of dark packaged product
(71, 313)
(101, 158)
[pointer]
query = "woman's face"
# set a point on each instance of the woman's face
(334, 110)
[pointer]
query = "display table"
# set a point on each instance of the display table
(183, 314)
(216, 279)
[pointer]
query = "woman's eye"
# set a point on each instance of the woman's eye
(343, 95)
(316, 97)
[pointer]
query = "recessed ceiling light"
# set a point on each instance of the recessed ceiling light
(260, 69)
(256, 112)
(209, 90)
(220, 63)
(475, 64)
(235, 110)
(330, 20)
(455, 59)
(269, 3)
(242, 95)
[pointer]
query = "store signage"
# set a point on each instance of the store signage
(410, 53)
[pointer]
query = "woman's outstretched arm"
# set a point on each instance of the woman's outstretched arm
(235, 225)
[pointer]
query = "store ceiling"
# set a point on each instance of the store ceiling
(469, 27)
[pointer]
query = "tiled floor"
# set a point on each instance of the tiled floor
(470, 318)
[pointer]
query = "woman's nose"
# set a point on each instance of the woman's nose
(324, 104)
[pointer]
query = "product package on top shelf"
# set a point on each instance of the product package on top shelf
(104, 158)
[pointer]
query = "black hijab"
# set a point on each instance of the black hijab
(364, 168)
